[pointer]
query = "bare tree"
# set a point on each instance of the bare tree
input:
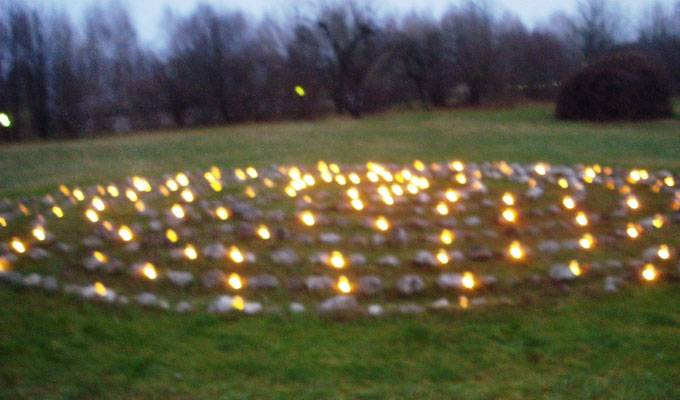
(596, 28)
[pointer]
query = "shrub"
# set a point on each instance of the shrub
(620, 87)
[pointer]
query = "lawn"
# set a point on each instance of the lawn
(584, 345)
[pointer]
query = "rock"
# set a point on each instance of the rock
(252, 308)
(613, 264)
(33, 280)
(423, 198)
(456, 256)
(548, 246)
(410, 309)
(319, 283)
(213, 278)
(561, 272)
(478, 253)
(92, 242)
(357, 259)
(221, 305)
(440, 304)
(410, 284)
(183, 307)
(370, 285)
(180, 278)
(450, 281)
(284, 256)
(400, 236)
(50, 284)
(610, 284)
(534, 193)
(338, 303)
(37, 253)
(378, 240)
(375, 310)
(472, 221)
(215, 251)
(424, 258)
(330, 238)
(263, 281)
(296, 308)
(147, 299)
(388, 261)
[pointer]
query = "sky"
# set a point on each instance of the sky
(148, 14)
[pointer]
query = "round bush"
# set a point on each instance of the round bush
(621, 87)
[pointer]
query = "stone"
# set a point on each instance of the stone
(378, 239)
(534, 193)
(410, 309)
(284, 256)
(561, 272)
(252, 308)
(370, 285)
(400, 236)
(478, 253)
(410, 284)
(318, 283)
(215, 251)
(610, 284)
(450, 281)
(147, 299)
(472, 221)
(263, 281)
(441, 304)
(388, 261)
(33, 280)
(456, 256)
(375, 310)
(330, 238)
(548, 246)
(340, 303)
(213, 278)
(180, 278)
(296, 308)
(424, 258)
(50, 284)
(37, 253)
(183, 307)
(357, 259)
(221, 305)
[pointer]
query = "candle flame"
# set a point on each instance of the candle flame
(649, 273)
(337, 260)
(235, 281)
(343, 285)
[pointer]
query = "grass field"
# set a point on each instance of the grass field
(618, 346)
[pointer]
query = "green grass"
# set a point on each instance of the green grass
(522, 134)
(621, 346)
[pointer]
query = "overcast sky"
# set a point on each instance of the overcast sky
(148, 14)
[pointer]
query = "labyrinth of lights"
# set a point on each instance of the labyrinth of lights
(372, 239)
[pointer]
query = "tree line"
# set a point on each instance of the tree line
(59, 79)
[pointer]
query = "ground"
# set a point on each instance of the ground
(616, 346)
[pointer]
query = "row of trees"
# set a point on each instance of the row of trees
(59, 80)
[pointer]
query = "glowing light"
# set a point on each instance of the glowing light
(516, 250)
(460, 178)
(39, 233)
(340, 179)
(238, 303)
(252, 172)
(632, 231)
(149, 271)
(581, 219)
(541, 169)
(98, 204)
(463, 302)
(372, 176)
(4, 265)
(509, 199)
(411, 188)
(100, 289)
(357, 204)
(509, 215)
(468, 280)
(141, 184)
(3, 222)
(250, 192)
(669, 181)
(457, 166)
(172, 185)
(5, 121)
(337, 260)
(300, 91)
(397, 190)
(263, 232)
(452, 195)
(382, 224)
(354, 178)
(18, 246)
(92, 215)
(418, 165)
(664, 252)
(190, 252)
(216, 186)
(78, 194)
(182, 179)
(171, 235)
(235, 281)
(58, 212)
(633, 202)
(307, 218)
(309, 180)
(343, 285)
(568, 203)
(125, 233)
(222, 213)
(649, 273)
(131, 195)
(575, 268)
(587, 241)
(101, 257)
(187, 195)
(658, 221)
(113, 191)
(290, 191)
(178, 211)
(563, 183)
(447, 237)
(442, 256)
(236, 255)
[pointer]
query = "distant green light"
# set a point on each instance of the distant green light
(4, 120)
(300, 91)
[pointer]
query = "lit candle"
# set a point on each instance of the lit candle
(236, 255)
(357, 204)
(575, 267)
(125, 233)
(100, 289)
(587, 241)
(468, 280)
(568, 202)
(633, 202)
(149, 271)
(92, 215)
(98, 203)
(442, 256)
(307, 218)
(508, 199)
(447, 237)
(263, 232)
(171, 235)
(516, 250)
(649, 273)
(442, 208)
(235, 281)
(509, 215)
(382, 224)
(581, 219)
(187, 195)
(39, 233)
(337, 260)
(238, 303)
(222, 213)
(452, 195)
(177, 211)
(18, 246)
(632, 231)
(190, 252)
(664, 252)
(343, 285)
